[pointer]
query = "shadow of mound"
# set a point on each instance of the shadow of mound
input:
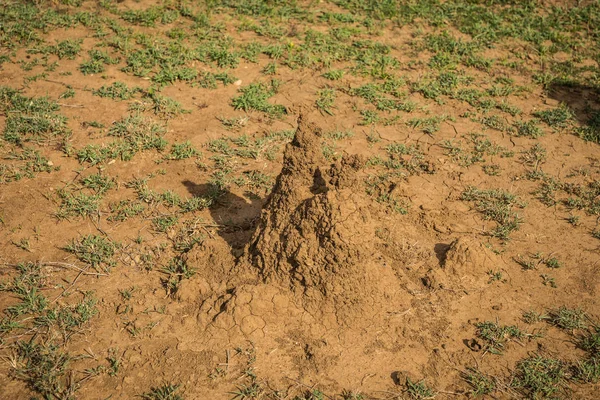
(584, 103)
(234, 217)
(441, 249)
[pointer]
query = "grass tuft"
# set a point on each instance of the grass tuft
(418, 390)
(497, 336)
(538, 377)
(567, 318)
(498, 206)
(97, 251)
(255, 96)
(480, 383)
(167, 391)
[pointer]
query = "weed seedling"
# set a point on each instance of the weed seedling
(497, 206)
(574, 220)
(97, 62)
(591, 132)
(23, 244)
(548, 280)
(567, 318)
(314, 394)
(127, 294)
(116, 91)
(251, 391)
(93, 124)
(67, 94)
(167, 391)
(351, 395)
(497, 336)
(176, 271)
(532, 317)
(588, 370)
(540, 377)
(77, 205)
(30, 119)
(557, 117)
(334, 74)
(553, 262)
(114, 362)
(255, 96)
(97, 251)
(427, 125)
(590, 342)
(182, 151)
(535, 156)
(418, 390)
(495, 276)
(270, 69)
(45, 367)
(481, 383)
(491, 169)
(325, 101)
(528, 129)
(124, 209)
(495, 122)
(99, 183)
(235, 123)
(164, 223)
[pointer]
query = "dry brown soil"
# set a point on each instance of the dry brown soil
(312, 284)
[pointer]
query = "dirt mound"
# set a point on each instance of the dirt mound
(212, 261)
(316, 235)
(469, 261)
